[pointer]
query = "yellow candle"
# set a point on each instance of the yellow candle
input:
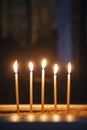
(68, 87)
(31, 85)
(16, 84)
(43, 83)
(55, 86)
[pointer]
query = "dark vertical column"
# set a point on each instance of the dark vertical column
(29, 20)
(83, 51)
(4, 21)
(0, 18)
(34, 22)
(64, 31)
(64, 44)
(75, 51)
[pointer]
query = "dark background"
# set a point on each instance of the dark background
(54, 29)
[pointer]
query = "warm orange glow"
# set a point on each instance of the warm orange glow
(31, 117)
(44, 118)
(43, 63)
(56, 118)
(70, 118)
(69, 67)
(31, 66)
(15, 67)
(14, 118)
(55, 68)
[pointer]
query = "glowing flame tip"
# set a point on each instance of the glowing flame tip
(15, 66)
(55, 68)
(69, 67)
(43, 63)
(31, 66)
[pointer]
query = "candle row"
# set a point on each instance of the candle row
(43, 64)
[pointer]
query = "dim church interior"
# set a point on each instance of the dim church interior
(29, 32)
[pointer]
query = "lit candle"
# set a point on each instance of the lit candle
(16, 84)
(31, 85)
(68, 87)
(55, 86)
(43, 83)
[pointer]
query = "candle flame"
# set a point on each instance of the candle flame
(31, 66)
(55, 68)
(69, 67)
(44, 63)
(15, 67)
